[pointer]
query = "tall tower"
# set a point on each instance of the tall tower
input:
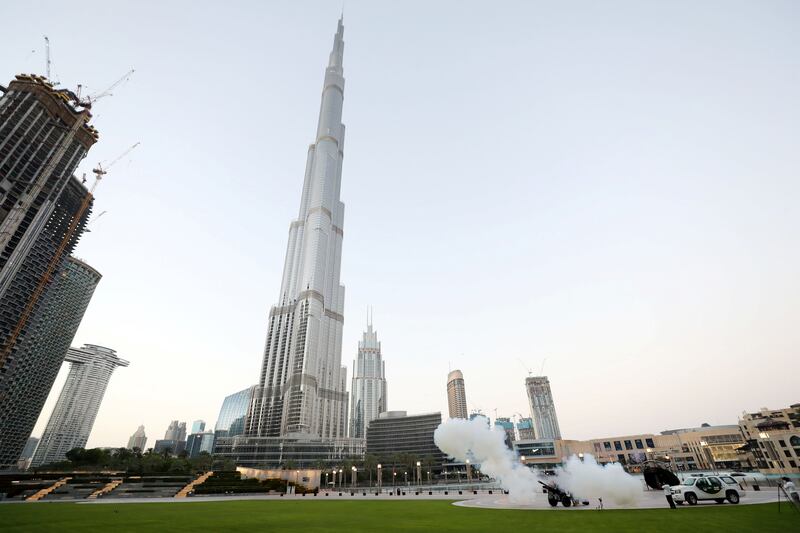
(39, 355)
(543, 410)
(302, 386)
(43, 137)
(138, 440)
(73, 416)
(456, 395)
(368, 388)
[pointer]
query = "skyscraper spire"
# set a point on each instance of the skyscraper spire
(302, 387)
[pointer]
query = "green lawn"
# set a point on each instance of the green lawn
(412, 515)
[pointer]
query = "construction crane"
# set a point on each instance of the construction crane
(99, 171)
(92, 98)
(47, 55)
(55, 261)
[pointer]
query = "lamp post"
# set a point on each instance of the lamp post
(380, 476)
(469, 472)
(419, 473)
(354, 476)
(341, 477)
(405, 477)
(394, 479)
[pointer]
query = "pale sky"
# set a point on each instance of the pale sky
(612, 186)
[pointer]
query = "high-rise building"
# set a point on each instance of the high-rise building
(44, 134)
(38, 357)
(138, 440)
(25, 458)
(198, 426)
(508, 427)
(200, 442)
(233, 412)
(73, 416)
(456, 395)
(543, 410)
(302, 386)
(525, 429)
(368, 388)
(175, 431)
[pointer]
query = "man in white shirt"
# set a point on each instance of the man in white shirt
(668, 493)
(790, 489)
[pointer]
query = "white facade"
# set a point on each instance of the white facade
(543, 410)
(368, 388)
(76, 409)
(302, 386)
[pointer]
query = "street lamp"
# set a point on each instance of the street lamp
(380, 476)
(341, 478)
(419, 473)
(405, 476)
(469, 472)
(354, 476)
(394, 479)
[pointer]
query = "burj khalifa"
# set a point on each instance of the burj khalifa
(302, 386)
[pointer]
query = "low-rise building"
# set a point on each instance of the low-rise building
(773, 438)
(395, 433)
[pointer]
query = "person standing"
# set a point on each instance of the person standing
(791, 490)
(668, 493)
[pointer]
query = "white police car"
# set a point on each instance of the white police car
(698, 488)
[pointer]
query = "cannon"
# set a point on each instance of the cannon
(556, 495)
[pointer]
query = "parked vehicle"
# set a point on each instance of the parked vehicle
(705, 487)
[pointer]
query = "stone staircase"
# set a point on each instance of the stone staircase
(44, 492)
(184, 492)
(105, 490)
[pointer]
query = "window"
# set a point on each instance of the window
(792, 464)
(607, 445)
(649, 443)
(787, 453)
(617, 445)
(639, 445)
(727, 479)
(628, 445)
(782, 443)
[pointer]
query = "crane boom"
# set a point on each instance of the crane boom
(95, 97)
(47, 56)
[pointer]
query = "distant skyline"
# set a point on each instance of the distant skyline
(608, 186)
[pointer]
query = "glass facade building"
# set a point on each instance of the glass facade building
(233, 413)
(396, 433)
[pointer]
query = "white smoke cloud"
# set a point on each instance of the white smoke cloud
(484, 445)
(588, 479)
(474, 440)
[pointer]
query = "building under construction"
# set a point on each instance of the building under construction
(44, 134)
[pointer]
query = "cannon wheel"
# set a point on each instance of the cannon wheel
(566, 501)
(552, 499)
